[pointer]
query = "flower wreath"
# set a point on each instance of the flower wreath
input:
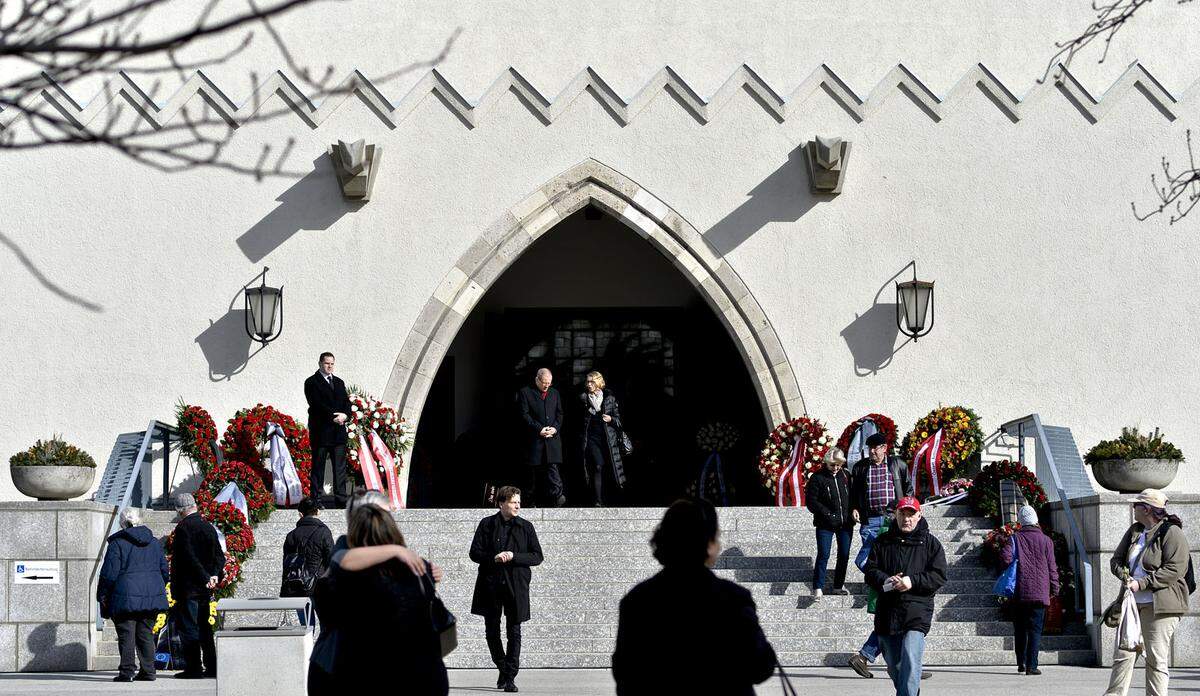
(239, 537)
(777, 450)
(259, 501)
(961, 437)
(717, 437)
(197, 433)
(368, 413)
(984, 495)
(885, 425)
(245, 441)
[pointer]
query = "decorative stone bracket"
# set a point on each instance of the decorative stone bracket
(356, 165)
(827, 159)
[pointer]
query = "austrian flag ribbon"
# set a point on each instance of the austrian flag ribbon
(927, 456)
(383, 457)
(792, 478)
(366, 463)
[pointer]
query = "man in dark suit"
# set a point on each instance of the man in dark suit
(328, 411)
(505, 547)
(197, 566)
(541, 413)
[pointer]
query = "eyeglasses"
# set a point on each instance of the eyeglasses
(1141, 505)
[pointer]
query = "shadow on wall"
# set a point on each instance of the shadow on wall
(784, 196)
(871, 337)
(46, 282)
(46, 655)
(314, 202)
(225, 343)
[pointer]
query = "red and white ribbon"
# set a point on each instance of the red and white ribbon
(792, 478)
(929, 453)
(383, 457)
(370, 470)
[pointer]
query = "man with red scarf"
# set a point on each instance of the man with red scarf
(541, 413)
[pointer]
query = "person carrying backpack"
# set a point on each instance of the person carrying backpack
(306, 553)
(1153, 562)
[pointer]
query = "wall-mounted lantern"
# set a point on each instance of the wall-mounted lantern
(356, 165)
(264, 311)
(826, 159)
(914, 299)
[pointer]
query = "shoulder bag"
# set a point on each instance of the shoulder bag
(1006, 584)
(445, 625)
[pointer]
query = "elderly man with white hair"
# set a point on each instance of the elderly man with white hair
(1152, 561)
(541, 415)
(132, 591)
(197, 566)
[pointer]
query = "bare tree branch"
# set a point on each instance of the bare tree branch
(1110, 18)
(1180, 191)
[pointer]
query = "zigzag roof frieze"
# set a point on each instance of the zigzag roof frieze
(279, 86)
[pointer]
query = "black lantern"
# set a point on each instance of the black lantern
(262, 305)
(914, 299)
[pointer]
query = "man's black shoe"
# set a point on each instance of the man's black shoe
(1034, 672)
(562, 500)
(189, 675)
(502, 680)
(123, 678)
(142, 676)
(926, 675)
(511, 687)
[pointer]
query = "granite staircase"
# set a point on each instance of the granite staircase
(593, 556)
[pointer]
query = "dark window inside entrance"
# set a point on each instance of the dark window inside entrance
(589, 295)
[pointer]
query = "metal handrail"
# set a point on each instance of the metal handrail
(154, 427)
(1083, 567)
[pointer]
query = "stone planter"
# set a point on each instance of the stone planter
(53, 482)
(1135, 475)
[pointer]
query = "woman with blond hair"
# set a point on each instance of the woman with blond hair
(827, 496)
(601, 433)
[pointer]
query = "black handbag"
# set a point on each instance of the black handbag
(445, 625)
(626, 444)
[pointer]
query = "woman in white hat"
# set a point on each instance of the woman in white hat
(1152, 560)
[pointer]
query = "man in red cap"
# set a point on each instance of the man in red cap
(907, 566)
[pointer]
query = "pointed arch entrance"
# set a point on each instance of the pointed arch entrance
(504, 242)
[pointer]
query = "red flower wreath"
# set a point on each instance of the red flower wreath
(259, 500)
(197, 433)
(885, 425)
(777, 449)
(245, 440)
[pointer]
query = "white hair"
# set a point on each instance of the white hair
(376, 498)
(130, 517)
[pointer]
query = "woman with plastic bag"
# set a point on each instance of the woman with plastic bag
(1152, 560)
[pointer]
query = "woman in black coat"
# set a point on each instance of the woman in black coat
(827, 495)
(380, 617)
(686, 631)
(132, 591)
(601, 435)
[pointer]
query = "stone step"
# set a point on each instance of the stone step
(820, 658)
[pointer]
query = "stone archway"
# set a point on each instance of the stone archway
(592, 182)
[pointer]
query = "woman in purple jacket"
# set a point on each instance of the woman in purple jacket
(1037, 580)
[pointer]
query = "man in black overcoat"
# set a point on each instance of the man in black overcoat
(541, 415)
(197, 566)
(328, 411)
(505, 547)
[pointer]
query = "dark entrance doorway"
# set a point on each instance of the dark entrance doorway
(589, 295)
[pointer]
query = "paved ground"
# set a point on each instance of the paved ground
(977, 681)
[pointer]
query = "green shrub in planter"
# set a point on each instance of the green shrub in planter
(1133, 445)
(53, 452)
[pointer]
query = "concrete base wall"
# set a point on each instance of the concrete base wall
(1103, 519)
(50, 627)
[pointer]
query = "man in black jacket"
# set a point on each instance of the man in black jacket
(306, 553)
(541, 415)
(197, 566)
(907, 566)
(505, 547)
(328, 411)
